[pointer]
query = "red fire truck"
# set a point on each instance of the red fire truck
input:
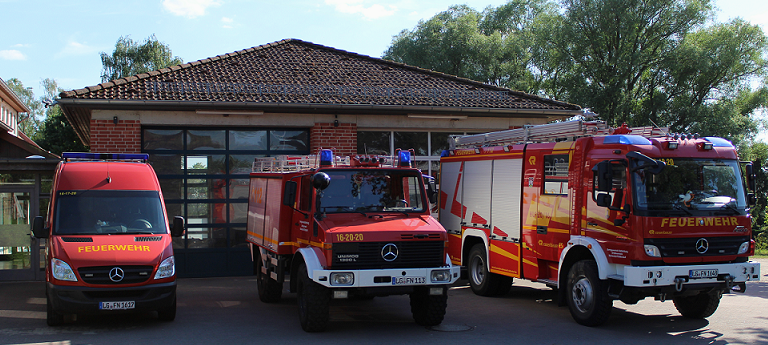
(338, 228)
(600, 215)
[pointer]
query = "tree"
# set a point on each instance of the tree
(56, 134)
(30, 124)
(131, 58)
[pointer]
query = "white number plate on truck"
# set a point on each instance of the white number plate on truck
(122, 305)
(699, 274)
(408, 280)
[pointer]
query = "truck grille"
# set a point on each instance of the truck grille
(100, 274)
(686, 247)
(368, 255)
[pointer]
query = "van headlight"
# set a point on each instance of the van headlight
(62, 271)
(743, 248)
(652, 251)
(167, 268)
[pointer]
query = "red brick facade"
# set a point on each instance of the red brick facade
(342, 139)
(108, 137)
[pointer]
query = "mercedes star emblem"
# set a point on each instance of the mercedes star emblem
(389, 252)
(702, 245)
(116, 274)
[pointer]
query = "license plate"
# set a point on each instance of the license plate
(700, 274)
(408, 280)
(122, 305)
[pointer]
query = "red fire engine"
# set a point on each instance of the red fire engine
(601, 215)
(356, 227)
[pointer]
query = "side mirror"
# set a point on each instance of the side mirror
(604, 200)
(431, 189)
(751, 177)
(177, 230)
(604, 176)
(38, 227)
(751, 199)
(321, 180)
(289, 194)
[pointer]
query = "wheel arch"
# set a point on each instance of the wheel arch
(470, 239)
(309, 256)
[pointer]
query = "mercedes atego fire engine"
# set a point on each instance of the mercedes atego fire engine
(601, 215)
(338, 228)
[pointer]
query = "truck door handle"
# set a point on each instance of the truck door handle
(541, 230)
(592, 223)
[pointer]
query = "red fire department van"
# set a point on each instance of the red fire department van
(108, 246)
(337, 228)
(601, 215)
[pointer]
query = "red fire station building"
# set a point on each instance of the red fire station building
(203, 123)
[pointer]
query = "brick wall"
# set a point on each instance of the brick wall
(342, 139)
(108, 137)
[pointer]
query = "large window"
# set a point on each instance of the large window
(203, 174)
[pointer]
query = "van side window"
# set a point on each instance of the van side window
(556, 174)
(305, 194)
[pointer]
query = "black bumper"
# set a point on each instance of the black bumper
(86, 300)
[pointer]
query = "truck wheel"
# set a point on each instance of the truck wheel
(698, 306)
(482, 282)
(428, 310)
(314, 300)
(53, 318)
(167, 314)
(270, 291)
(587, 295)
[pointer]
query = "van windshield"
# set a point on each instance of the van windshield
(96, 212)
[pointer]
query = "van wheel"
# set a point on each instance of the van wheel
(167, 314)
(53, 318)
(314, 300)
(270, 291)
(483, 282)
(587, 295)
(699, 306)
(428, 310)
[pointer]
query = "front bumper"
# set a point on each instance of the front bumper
(394, 277)
(660, 276)
(86, 300)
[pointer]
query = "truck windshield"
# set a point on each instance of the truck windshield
(691, 185)
(108, 212)
(372, 190)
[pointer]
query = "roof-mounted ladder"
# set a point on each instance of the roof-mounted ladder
(560, 131)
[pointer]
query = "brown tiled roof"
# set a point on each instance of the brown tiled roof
(295, 71)
(292, 74)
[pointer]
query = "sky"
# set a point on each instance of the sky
(62, 40)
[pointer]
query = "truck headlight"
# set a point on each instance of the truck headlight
(652, 251)
(440, 276)
(62, 271)
(166, 269)
(743, 248)
(342, 278)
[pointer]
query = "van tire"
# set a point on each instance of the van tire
(314, 302)
(53, 318)
(587, 295)
(167, 314)
(428, 310)
(699, 306)
(270, 291)
(482, 281)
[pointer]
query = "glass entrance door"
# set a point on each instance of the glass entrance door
(18, 250)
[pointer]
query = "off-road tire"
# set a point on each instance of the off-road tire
(314, 300)
(270, 290)
(699, 306)
(587, 295)
(53, 318)
(482, 281)
(428, 310)
(167, 314)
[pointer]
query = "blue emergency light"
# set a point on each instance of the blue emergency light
(719, 142)
(105, 156)
(626, 140)
(405, 158)
(326, 157)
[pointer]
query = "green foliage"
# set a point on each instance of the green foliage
(131, 58)
(56, 134)
(30, 124)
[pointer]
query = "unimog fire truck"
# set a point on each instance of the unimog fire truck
(356, 227)
(600, 215)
